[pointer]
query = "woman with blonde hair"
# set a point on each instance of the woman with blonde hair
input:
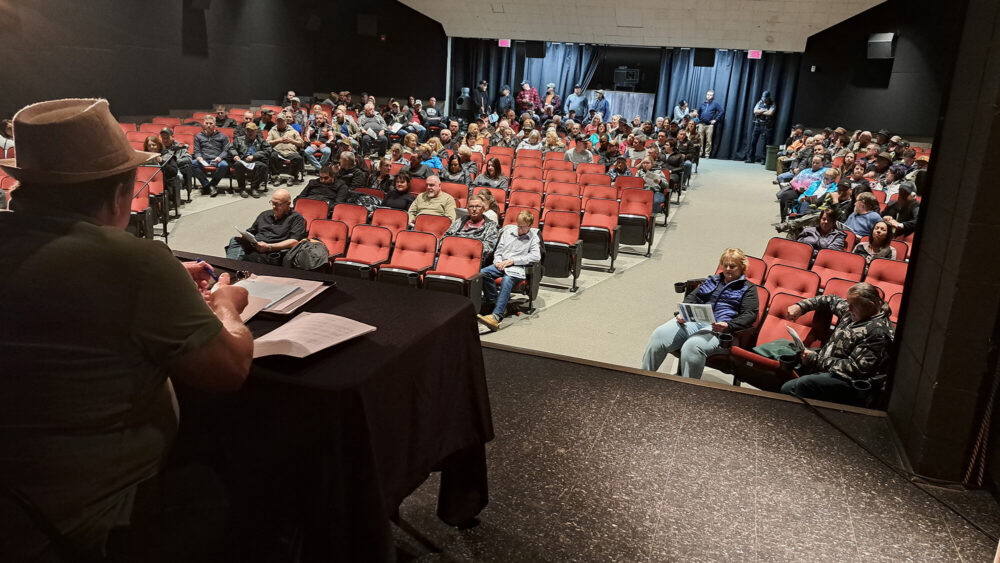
(410, 143)
(734, 303)
(553, 143)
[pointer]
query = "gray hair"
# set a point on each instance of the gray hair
(349, 157)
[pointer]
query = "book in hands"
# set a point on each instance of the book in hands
(307, 334)
(246, 235)
(697, 313)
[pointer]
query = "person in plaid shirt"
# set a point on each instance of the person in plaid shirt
(527, 100)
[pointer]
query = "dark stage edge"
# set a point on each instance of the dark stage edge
(596, 464)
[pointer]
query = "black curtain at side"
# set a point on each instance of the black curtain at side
(475, 59)
(738, 83)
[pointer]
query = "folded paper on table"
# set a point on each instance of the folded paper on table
(307, 334)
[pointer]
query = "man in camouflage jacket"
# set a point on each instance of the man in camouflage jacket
(856, 351)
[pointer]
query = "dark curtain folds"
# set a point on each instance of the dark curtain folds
(564, 65)
(475, 59)
(738, 83)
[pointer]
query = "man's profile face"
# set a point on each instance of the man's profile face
(433, 185)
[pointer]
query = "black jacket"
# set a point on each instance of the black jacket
(397, 200)
(329, 193)
(241, 146)
(481, 99)
(348, 180)
(907, 216)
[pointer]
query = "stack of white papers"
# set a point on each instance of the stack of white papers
(307, 334)
(282, 296)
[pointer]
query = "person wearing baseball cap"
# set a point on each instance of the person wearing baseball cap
(481, 98)
(902, 213)
(96, 324)
(551, 98)
(577, 102)
(527, 100)
(601, 105)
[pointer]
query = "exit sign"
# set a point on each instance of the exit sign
(753, 54)
(505, 42)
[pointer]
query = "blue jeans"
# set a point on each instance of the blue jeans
(658, 200)
(491, 294)
(824, 387)
(221, 171)
(323, 158)
(235, 250)
(785, 177)
(686, 178)
(420, 130)
(673, 336)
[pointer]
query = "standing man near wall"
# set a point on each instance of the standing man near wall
(763, 125)
(577, 102)
(602, 106)
(709, 112)
(481, 98)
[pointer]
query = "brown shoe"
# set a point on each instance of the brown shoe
(490, 321)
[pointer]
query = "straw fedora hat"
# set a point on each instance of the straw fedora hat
(70, 141)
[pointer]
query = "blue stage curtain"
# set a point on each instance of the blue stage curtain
(738, 83)
(475, 59)
(564, 65)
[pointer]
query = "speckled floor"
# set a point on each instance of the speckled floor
(596, 465)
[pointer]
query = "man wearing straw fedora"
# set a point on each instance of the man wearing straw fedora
(94, 325)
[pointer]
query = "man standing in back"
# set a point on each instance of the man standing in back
(709, 113)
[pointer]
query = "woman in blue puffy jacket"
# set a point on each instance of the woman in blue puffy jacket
(734, 304)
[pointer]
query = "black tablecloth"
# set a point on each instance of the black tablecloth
(335, 442)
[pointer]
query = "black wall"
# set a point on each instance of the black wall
(646, 59)
(149, 57)
(903, 95)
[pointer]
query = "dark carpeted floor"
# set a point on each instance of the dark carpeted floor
(591, 464)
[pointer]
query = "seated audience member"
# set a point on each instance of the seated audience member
(222, 119)
(908, 159)
(6, 134)
(349, 174)
(734, 303)
(847, 166)
(345, 128)
(179, 151)
(397, 155)
(241, 128)
(637, 151)
(492, 207)
(553, 143)
(431, 115)
(864, 139)
(921, 163)
(410, 144)
(857, 181)
(428, 157)
(210, 149)
(249, 154)
(865, 215)
(893, 178)
(416, 123)
(437, 148)
(696, 142)
(674, 164)
(816, 193)
(517, 247)
(880, 167)
(277, 231)
(619, 168)
(373, 132)
(595, 127)
(432, 202)
(901, 215)
(491, 176)
(579, 154)
(168, 166)
(607, 152)
(841, 370)
(799, 183)
(454, 172)
(297, 114)
(324, 188)
(381, 179)
(531, 142)
(825, 235)
(266, 121)
(477, 226)
(399, 197)
(285, 144)
(465, 157)
(878, 245)
(89, 412)
(417, 169)
(320, 138)
(686, 149)
(447, 144)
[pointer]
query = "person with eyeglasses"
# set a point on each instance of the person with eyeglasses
(276, 231)
(477, 226)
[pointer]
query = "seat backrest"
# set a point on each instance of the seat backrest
(756, 270)
(895, 304)
(434, 224)
(334, 235)
(788, 252)
(636, 202)
(527, 172)
(228, 132)
(602, 192)
(350, 214)
(418, 186)
(152, 128)
(902, 249)
(140, 197)
(137, 135)
(152, 175)
(850, 240)
(395, 220)
(554, 155)
(458, 191)
(595, 180)
(414, 250)
(628, 182)
(187, 130)
(395, 168)
(554, 164)
(460, 256)
(497, 151)
(773, 326)
(601, 213)
(838, 287)
(510, 216)
(369, 244)
(562, 227)
(880, 196)
(888, 275)
(529, 153)
(838, 264)
(557, 202)
(567, 176)
(562, 188)
(126, 127)
(478, 158)
(590, 168)
(788, 279)
(526, 199)
(312, 209)
(527, 185)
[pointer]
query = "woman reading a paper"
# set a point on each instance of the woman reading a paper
(724, 303)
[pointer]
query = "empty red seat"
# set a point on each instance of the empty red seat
(838, 287)
(139, 136)
(595, 179)
(895, 304)
(590, 168)
(350, 214)
(497, 151)
(601, 192)
(153, 128)
(887, 275)
(510, 216)
(529, 153)
(433, 224)
(312, 209)
(525, 199)
(395, 168)
(557, 202)
(563, 248)
(629, 182)
(460, 192)
(126, 127)
(527, 172)
(412, 256)
(837, 264)
(567, 176)
(333, 234)
(788, 252)
(166, 121)
(635, 218)
(562, 188)
(527, 185)
(457, 270)
(850, 240)
(599, 230)
(370, 247)
(395, 220)
(788, 279)
(556, 164)
(187, 130)
(418, 186)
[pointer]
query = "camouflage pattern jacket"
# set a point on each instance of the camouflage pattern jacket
(856, 350)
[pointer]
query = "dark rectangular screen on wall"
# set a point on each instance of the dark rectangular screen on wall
(534, 49)
(704, 57)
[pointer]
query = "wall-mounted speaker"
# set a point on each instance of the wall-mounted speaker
(704, 57)
(882, 46)
(534, 49)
